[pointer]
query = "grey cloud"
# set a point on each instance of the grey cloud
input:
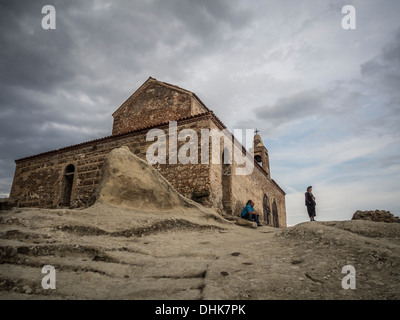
(34, 58)
(382, 77)
(300, 105)
(202, 17)
(368, 105)
(101, 51)
(384, 70)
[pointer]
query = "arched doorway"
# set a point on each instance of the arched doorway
(67, 183)
(275, 214)
(226, 182)
(266, 210)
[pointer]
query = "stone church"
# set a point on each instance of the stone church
(67, 177)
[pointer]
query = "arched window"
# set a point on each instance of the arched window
(226, 181)
(67, 184)
(275, 214)
(257, 157)
(266, 210)
(70, 169)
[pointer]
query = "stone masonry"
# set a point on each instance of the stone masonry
(67, 177)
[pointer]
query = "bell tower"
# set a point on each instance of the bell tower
(261, 153)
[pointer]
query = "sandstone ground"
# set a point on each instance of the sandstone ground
(110, 252)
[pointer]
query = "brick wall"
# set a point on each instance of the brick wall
(244, 188)
(38, 180)
(152, 104)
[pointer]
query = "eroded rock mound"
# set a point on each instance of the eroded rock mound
(126, 180)
(377, 216)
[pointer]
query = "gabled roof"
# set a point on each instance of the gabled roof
(153, 80)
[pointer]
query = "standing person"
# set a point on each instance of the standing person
(310, 203)
(249, 213)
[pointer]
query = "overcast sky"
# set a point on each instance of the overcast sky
(326, 100)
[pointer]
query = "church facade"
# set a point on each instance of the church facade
(67, 177)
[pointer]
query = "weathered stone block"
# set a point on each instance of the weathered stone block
(246, 223)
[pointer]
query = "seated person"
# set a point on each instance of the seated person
(249, 213)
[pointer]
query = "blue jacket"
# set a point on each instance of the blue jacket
(248, 208)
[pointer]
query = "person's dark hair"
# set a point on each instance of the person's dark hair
(248, 202)
(309, 187)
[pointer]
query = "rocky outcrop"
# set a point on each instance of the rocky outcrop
(376, 215)
(128, 181)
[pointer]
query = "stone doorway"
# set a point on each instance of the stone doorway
(266, 210)
(226, 182)
(275, 215)
(67, 183)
